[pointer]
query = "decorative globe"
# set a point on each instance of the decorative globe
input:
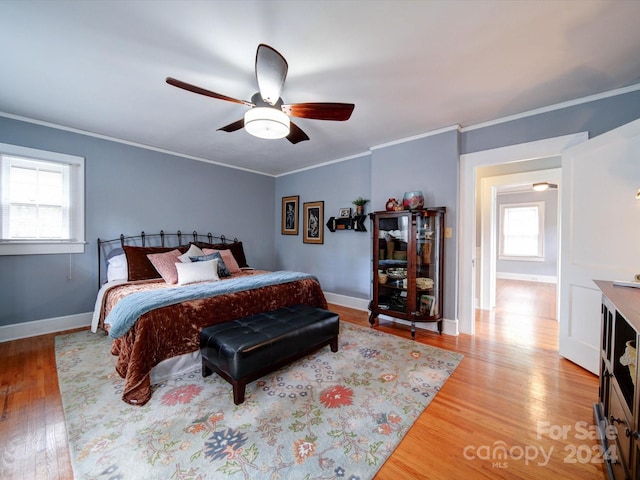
(413, 200)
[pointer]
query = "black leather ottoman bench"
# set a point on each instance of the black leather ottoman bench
(243, 350)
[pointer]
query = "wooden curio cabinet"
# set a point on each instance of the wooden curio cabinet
(407, 265)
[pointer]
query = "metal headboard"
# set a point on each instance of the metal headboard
(108, 248)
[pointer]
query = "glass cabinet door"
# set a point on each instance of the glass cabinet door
(427, 266)
(392, 262)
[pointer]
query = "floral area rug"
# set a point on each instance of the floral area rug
(326, 416)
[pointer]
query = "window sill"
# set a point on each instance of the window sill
(40, 248)
(521, 259)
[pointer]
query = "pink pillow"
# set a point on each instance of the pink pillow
(165, 264)
(227, 257)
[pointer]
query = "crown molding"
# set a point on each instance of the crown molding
(125, 142)
(324, 164)
(551, 108)
(416, 137)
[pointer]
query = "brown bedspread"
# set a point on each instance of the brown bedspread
(175, 330)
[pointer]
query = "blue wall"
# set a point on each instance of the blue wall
(429, 164)
(130, 189)
(343, 262)
(595, 117)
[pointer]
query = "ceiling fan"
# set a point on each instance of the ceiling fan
(269, 115)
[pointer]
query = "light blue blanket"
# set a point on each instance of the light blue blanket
(127, 311)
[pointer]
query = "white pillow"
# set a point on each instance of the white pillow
(117, 268)
(193, 251)
(197, 272)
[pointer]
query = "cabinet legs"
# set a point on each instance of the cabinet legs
(373, 318)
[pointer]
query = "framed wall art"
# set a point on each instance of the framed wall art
(313, 222)
(290, 215)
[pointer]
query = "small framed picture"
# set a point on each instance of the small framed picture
(345, 213)
(313, 222)
(428, 305)
(290, 215)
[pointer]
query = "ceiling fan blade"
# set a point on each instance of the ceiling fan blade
(232, 127)
(206, 93)
(320, 111)
(271, 71)
(296, 135)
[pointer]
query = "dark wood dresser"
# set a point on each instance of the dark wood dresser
(617, 412)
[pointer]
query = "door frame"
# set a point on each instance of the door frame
(467, 194)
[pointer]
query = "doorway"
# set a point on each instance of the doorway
(468, 191)
(497, 189)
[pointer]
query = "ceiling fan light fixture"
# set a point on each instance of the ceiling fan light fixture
(542, 186)
(269, 115)
(267, 122)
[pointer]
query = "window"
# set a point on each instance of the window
(42, 201)
(522, 231)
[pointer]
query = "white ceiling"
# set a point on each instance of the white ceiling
(410, 67)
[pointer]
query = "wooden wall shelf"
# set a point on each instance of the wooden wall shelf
(355, 222)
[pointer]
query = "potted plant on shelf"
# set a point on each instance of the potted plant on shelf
(360, 203)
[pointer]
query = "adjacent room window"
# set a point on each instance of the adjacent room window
(522, 231)
(42, 201)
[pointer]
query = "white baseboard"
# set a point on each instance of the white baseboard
(80, 320)
(43, 327)
(449, 327)
(350, 302)
(527, 277)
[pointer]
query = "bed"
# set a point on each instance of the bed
(154, 306)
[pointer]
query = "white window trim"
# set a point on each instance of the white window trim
(36, 247)
(541, 234)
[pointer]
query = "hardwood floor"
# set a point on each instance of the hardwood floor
(511, 390)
